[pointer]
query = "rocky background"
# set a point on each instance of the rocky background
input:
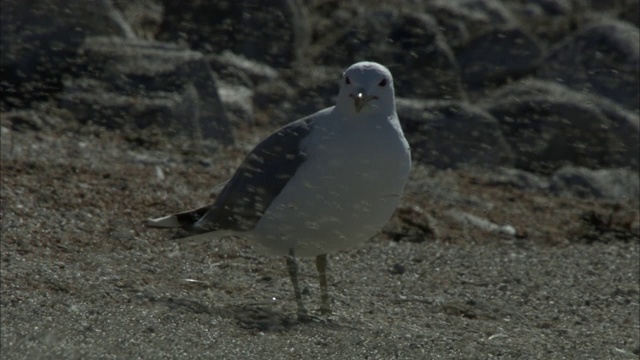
(518, 238)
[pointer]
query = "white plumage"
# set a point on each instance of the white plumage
(324, 183)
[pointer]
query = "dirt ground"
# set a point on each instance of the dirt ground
(83, 279)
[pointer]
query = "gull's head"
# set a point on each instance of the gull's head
(366, 87)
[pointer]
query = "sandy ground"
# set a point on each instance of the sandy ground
(83, 279)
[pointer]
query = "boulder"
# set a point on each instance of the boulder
(274, 32)
(497, 57)
(449, 134)
(610, 184)
(594, 118)
(411, 45)
(40, 40)
(139, 83)
(602, 59)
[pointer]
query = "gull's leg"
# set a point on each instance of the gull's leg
(292, 266)
(321, 264)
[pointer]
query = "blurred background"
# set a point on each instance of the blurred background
(532, 84)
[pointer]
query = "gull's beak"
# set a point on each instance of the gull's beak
(360, 100)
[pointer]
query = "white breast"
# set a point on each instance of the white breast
(344, 192)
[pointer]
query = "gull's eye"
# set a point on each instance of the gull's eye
(383, 82)
(347, 80)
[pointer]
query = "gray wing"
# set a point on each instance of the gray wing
(259, 179)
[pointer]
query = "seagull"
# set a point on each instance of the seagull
(321, 184)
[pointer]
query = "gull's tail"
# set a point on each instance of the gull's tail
(183, 220)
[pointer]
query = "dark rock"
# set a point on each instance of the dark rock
(548, 20)
(397, 269)
(553, 7)
(462, 20)
(314, 89)
(616, 224)
(631, 12)
(272, 32)
(299, 93)
(413, 224)
(273, 102)
(449, 134)
(40, 40)
(491, 11)
(422, 62)
(621, 127)
(599, 5)
(601, 59)
(490, 44)
(410, 44)
(546, 133)
(626, 128)
(497, 56)
(610, 184)
(115, 110)
(160, 83)
(236, 69)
